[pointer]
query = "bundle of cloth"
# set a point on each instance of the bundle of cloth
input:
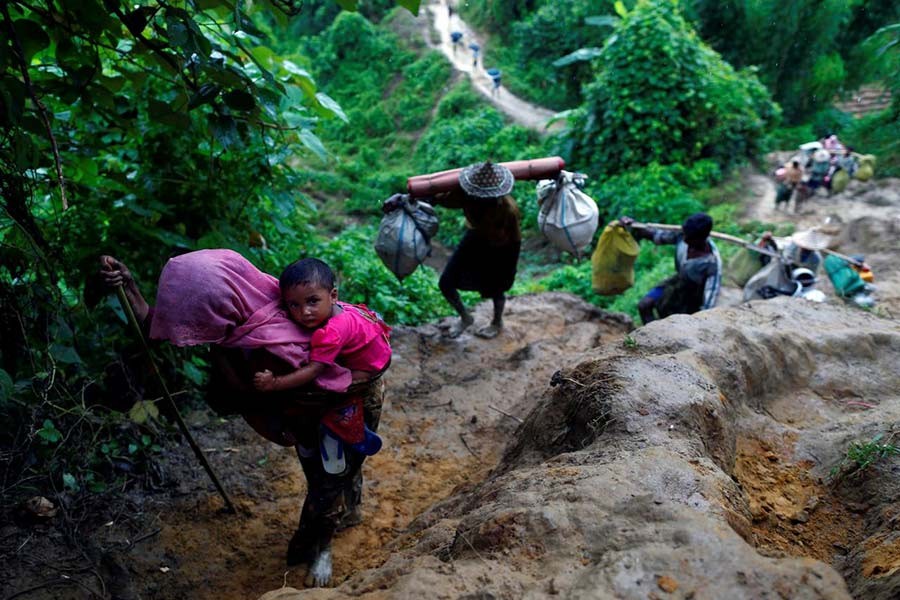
(219, 297)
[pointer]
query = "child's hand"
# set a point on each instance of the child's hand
(264, 381)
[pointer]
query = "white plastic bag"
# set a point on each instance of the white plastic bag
(770, 281)
(404, 236)
(568, 217)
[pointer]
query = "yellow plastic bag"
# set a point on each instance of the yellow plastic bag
(612, 263)
(868, 159)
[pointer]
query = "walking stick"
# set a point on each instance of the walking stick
(129, 311)
(748, 245)
(714, 234)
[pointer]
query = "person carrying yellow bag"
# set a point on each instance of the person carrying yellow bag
(612, 263)
(697, 264)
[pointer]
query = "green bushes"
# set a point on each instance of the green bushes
(794, 45)
(661, 95)
(364, 279)
(878, 134)
(529, 47)
(653, 193)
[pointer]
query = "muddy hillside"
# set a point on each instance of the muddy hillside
(690, 459)
(451, 408)
(744, 452)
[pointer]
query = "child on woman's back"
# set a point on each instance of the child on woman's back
(349, 335)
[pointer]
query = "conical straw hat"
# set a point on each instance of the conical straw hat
(811, 239)
(486, 180)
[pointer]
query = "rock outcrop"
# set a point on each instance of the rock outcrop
(692, 458)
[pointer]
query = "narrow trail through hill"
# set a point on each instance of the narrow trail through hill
(519, 110)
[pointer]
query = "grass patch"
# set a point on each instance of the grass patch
(862, 455)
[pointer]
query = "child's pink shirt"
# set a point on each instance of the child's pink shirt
(352, 340)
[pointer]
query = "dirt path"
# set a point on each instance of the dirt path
(519, 110)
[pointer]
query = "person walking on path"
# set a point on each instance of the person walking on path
(698, 266)
(487, 256)
(475, 48)
(791, 176)
(494, 74)
(219, 298)
(455, 37)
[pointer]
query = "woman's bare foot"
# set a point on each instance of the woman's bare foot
(464, 323)
(319, 574)
(489, 332)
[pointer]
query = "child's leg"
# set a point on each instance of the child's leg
(372, 402)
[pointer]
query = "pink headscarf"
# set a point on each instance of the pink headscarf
(219, 297)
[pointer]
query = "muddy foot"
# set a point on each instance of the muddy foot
(319, 574)
(489, 332)
(463, 324)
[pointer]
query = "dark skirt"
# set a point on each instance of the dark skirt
(479, 266)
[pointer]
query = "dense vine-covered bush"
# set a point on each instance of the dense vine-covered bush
(497, 16)
(654, 193)
(661, 95)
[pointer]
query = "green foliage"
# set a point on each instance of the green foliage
(800, 47)
(878, 134)
(497, 16)
(363, 278)
(660, 193)
(531, 46)
(828, 75)
(654, 264)
(884, 45)
(143, 130)
(861, 455)
(388, 93)
(661, 95)
(318, 15)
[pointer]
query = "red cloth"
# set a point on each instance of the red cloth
(346, 421)
(219, 297)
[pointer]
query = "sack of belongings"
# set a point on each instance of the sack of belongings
(742, 266)
(840, 181)
(404, 236)
(568, 217)
(772, 280)
(845, 279)
(612, 264)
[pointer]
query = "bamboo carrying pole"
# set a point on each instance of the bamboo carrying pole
(129, 311)
(742, 242)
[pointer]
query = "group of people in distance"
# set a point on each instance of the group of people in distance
(813, 168)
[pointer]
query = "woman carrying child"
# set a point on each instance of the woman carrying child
(217, 297)
(341, 334)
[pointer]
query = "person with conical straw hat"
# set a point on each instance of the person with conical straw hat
(487, 256)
